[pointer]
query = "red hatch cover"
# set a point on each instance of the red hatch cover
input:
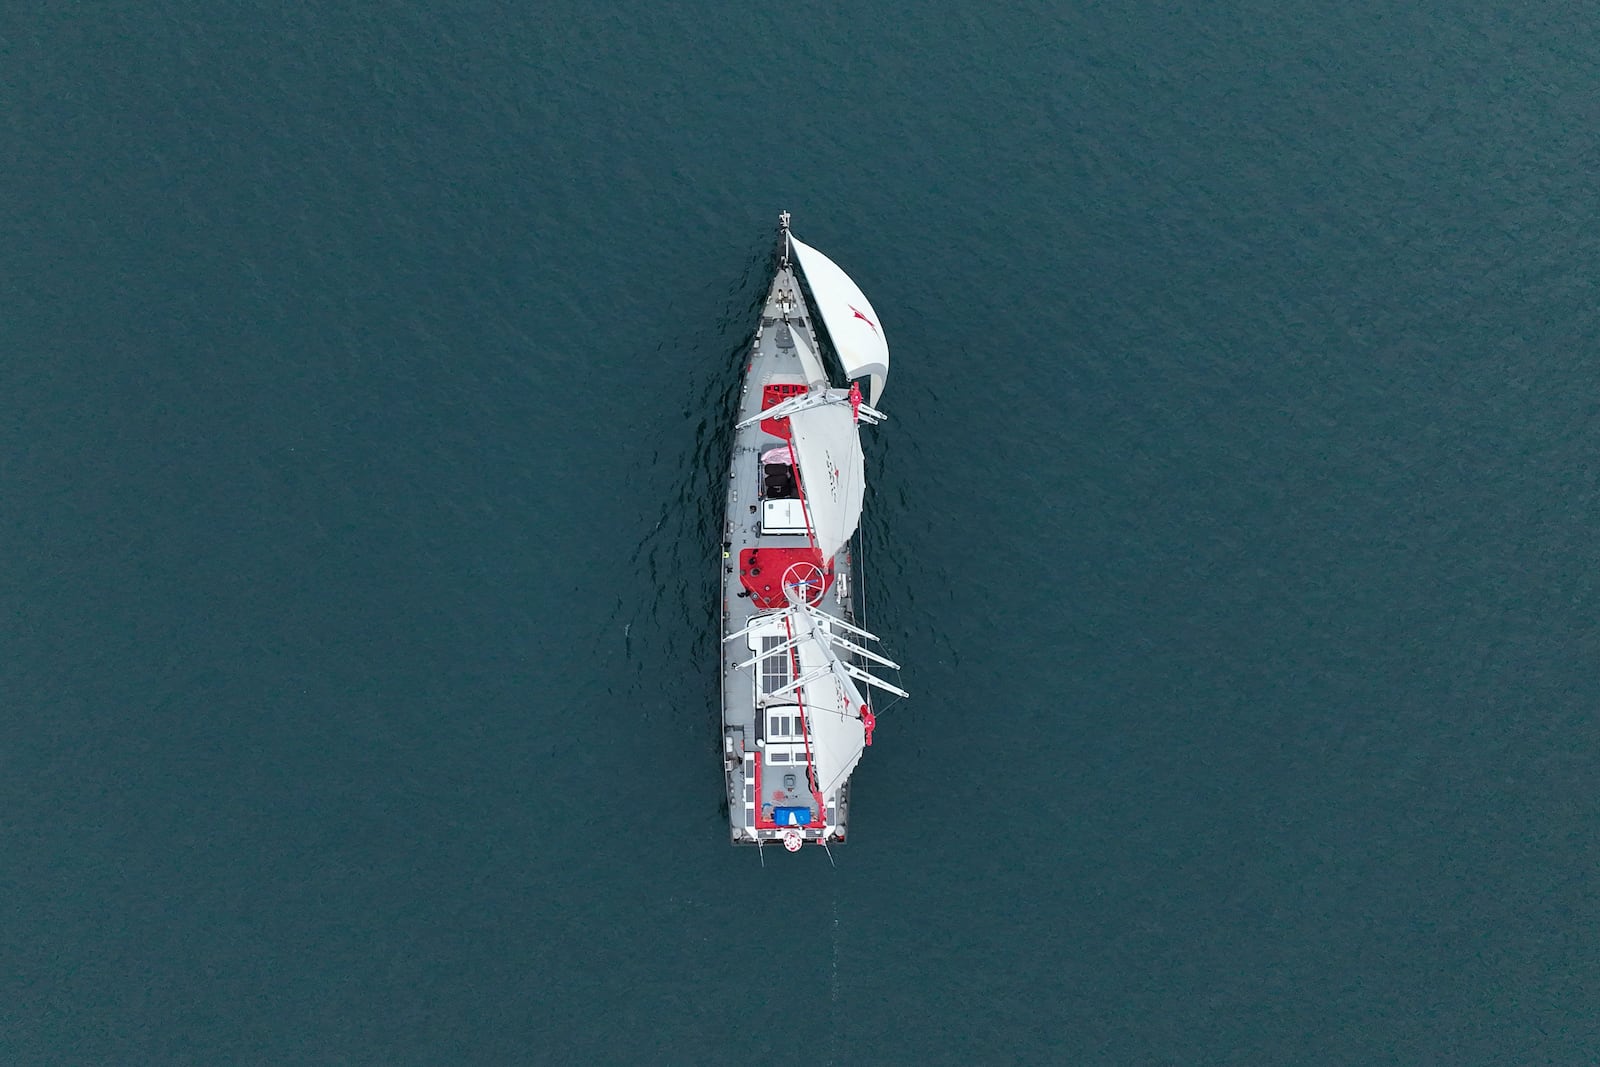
(777, 394)
(761, 571)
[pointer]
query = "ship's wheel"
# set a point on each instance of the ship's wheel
(804, 583)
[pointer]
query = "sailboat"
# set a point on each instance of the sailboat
(797, 667)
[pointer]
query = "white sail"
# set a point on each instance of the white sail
(832, 703)
(852, 323)
(837, 735)
(816, 377)
(827, 447)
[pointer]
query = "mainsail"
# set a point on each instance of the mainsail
(836, 714)
(827, 447)
(833, 723)
(852, 323)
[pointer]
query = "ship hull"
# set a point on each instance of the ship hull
(770, 794)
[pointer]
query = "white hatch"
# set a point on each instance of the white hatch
(783, 517)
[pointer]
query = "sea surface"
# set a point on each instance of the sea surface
(366, 372)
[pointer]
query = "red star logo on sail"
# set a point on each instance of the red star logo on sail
(863, 318)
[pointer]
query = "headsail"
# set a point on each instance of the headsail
(852, 323)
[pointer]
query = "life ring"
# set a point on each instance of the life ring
(792, 840)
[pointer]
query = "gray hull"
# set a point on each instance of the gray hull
(766, 768)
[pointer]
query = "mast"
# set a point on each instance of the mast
(783, 239)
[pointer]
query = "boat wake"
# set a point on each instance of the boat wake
(833, 987)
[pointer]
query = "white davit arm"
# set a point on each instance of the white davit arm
(782, 410)
(815, 398)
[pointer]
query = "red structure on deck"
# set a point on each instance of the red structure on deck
(772, 395)
(761, 571)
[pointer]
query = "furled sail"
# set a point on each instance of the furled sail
(816, 377)
(827, 447)
(852, 323)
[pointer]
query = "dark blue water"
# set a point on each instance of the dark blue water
(365, 376)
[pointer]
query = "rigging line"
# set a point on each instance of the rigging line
(861, 571)
(805, 729)
(800, 487)
(861, 580)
